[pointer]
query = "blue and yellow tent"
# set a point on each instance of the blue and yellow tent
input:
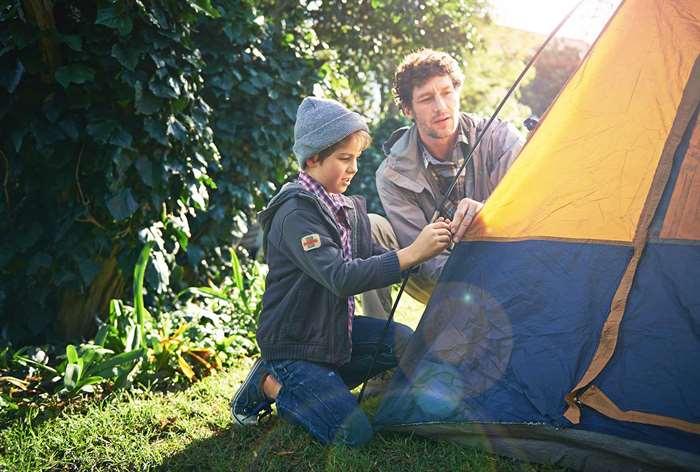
(565, 328)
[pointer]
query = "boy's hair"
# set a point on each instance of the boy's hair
(363, 135)
(420, 66)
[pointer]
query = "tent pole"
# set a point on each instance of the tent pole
(441, 206)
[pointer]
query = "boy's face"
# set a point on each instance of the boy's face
(337, 170)
(435, 108)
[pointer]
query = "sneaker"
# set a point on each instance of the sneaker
(378, 385)
(249, 405)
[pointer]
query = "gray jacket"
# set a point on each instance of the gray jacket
(305, 307)
(407, 196)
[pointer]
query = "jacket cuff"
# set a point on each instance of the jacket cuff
(412, 270)
(390, 268)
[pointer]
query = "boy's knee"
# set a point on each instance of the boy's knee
(355, 431)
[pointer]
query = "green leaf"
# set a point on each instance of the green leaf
(145, 170)
(69, 127)
(206, 292)
(127, 57)
(168, 89)
(74, 74)
(109, 17)
(71, 354)
(86, 383)
(237, 271)
(17, 136)
(110, 132)
(88, 270)
(146, 104)
(120, 137)
(122, 205)
(102, 333)
(139, 272)
(11, 75)
(73, 41)
(131, 340)
(46, 133)
(199, 195)
(204, 6)
(156, 130)
(176, 129)
(161, 270)
(71, 376)
(104, 368)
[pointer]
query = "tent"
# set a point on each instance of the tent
(565, 328)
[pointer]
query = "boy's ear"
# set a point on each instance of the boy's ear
(312, 162)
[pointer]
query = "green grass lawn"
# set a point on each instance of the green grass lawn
(192, 430)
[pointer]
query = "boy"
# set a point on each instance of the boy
(320, 254)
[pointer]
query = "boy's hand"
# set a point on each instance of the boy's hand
(467, 209)
(432, 240)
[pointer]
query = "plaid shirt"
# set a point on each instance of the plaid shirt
(336, 203)
(445, 171)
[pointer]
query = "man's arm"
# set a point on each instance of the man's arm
(499, 148)
(502, 145)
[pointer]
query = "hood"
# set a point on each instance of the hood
(288, 191)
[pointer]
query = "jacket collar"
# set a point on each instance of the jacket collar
(404, 163)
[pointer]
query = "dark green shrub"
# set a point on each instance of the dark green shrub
(127, 121)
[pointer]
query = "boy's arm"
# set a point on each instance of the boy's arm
(378, 249)
(408, 220)
(310, 246)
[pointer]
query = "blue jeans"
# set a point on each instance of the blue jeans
(317, 396)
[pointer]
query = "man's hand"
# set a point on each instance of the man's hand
(467, 209)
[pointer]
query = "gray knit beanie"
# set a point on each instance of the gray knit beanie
(320, 124)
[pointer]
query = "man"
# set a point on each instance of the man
(423, 159)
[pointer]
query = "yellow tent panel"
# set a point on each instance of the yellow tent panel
(586, 172)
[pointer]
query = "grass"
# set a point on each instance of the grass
(191, 430)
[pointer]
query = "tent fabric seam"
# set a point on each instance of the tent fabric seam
(609, 334)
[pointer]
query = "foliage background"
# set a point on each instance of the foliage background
(171, 122)
(129, 121)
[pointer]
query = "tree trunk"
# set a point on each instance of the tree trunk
(79, 311)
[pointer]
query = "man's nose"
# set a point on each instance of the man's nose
(440, 102)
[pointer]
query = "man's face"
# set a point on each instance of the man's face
(435, 108)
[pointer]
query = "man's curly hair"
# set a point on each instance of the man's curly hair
(420, 66)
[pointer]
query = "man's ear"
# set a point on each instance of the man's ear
(407, 111)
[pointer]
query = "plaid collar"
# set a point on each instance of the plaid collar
(456, 152)
(335, 201)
